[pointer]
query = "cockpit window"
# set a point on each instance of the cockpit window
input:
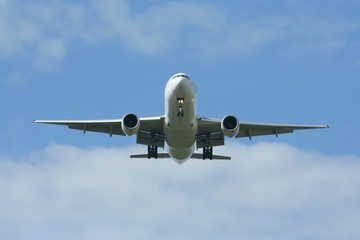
(180, 75)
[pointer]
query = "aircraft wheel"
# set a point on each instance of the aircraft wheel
(152, 152)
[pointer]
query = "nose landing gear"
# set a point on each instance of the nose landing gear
(180, 102)
(180, 112)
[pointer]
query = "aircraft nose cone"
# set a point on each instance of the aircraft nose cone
(183, 84)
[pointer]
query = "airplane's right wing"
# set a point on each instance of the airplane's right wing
(148, 125)
(109, 126)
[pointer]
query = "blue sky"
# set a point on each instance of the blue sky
(278, 62)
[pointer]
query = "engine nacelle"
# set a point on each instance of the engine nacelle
(230, 126)
(130, 124)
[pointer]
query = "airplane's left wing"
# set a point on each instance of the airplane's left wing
(209, 130)
(249, 129)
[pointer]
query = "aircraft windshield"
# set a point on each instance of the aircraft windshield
(180, 75)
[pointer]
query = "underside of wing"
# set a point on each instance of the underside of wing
(208, 125)
(110, 126)
(249, 129)
(151, 132)
(153, 125)
(210, 133)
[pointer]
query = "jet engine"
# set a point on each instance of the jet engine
(230, 126)
(130, 124)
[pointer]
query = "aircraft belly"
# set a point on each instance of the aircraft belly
(180, 131)
(180, 126)
(181, 154)
(180, 138)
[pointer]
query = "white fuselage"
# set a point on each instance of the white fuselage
(180, 126)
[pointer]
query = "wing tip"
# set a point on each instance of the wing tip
(38, 121)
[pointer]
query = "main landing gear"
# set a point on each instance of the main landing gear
(208, 153)
(152, 152)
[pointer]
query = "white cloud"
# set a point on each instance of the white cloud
(47, 28)
(35, 28)
(268, 191)
(52, 48)
(160, 27)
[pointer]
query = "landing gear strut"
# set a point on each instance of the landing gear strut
(180, 112)
(152, 152)
(207, 153)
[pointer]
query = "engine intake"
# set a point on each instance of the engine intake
(130, 124)
(230, 126)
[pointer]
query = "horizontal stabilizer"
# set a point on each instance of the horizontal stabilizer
(194, 156)
(214, 157)
(159, 155)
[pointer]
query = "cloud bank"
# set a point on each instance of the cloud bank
(267, 191)
(43, 30)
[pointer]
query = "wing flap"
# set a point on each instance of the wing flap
(110, 126)
(101, 129)
(254, 132)
(152, 124)
(209, 126)
(210, 140)
(249, 129)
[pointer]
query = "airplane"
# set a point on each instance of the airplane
(180, 131)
